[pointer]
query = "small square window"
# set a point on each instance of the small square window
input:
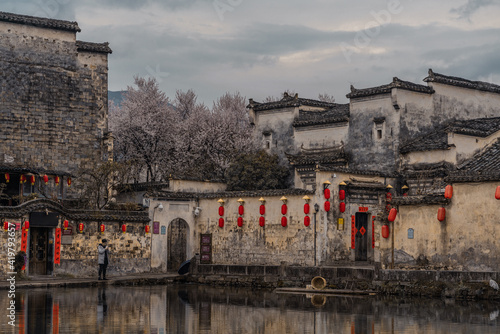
(379, 134)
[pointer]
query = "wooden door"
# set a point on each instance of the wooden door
(361, 236)
(38, 251)
(177, 243)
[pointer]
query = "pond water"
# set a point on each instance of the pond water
(205, 309)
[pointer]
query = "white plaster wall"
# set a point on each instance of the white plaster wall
(313, 137)
(26, 30)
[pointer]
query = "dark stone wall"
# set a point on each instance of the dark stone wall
(53, 107)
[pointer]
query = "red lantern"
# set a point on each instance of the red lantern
(327, 193)
(102, 228)
(284, 221)
(241, 210)
(392, 214)
(342, 194)
(497, 193)
(32, 180)
(80, 227)
(262, 210)
(66, 223)
(385, 231)
(262, 221)
(388, 197)
(221, 222)
(441, 214)
(5, 226)
(69, 182)
(7, 177)
(240, 221)
(284, 209)
(342, 207)
(147, 229)
(448, 191)
(22, 179)
(45, 179)
(307, 221)
(56, 180)
(327, 206)
(124, 228)
(221, 210)
(26, 225)
(307, 208)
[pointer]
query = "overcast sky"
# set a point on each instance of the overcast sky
(263, 48)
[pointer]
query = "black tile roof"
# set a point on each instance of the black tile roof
(485, 162)
(39, 22)
(396, 83)
(93, 47)
(32, 170)
(438, 139)
(420, 199)
(332, 155)
(170, 195)
(461, 82)
(289, 101)
(338, 114)
(348, 170)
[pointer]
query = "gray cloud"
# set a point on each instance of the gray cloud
(466, 11)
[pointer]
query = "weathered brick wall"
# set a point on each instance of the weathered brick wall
(53, 107)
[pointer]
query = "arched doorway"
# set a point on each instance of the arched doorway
(177, 243)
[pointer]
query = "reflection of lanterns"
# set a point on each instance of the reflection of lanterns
(441, 214)
(26, 225)
(69, 182)
(7, 177)
(385, 231)
(124, 228)
(448, 191)
(392, 214)
(80, 227)
(307, 221)
(45, 179)
(66, 223)
(32, 180)
(147, 229)
(102, 228)
(56, 180)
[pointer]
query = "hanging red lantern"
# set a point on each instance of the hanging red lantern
(26, 225)
(497, 193)
(32, 180)
(284, 221)
(262, 209)
(80, 227)
(388, 197)
(327, 206)
(65, 224)
(342, 207)
(221, 210)
(69, 181)
(448, 191)
(284, 209)
(240, 221)
(307, 221)
(102, 228)
(5, 226)
(385, 231)
(392, 214)
(57, 180)
(441, 214)
(327, 193)
(241, 210)
(45, 179)
(262, 221)
(221, 222)
(22, 179)
(7, 177)
(342, 194)
(307, 208)
(124, 228)
(147, 229)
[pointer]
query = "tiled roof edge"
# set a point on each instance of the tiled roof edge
(93, 47)
(396, 83)
(461, 82)
(40, 22)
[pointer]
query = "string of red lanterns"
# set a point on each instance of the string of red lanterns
(221, 212)
(262, 211)
(326, 193)
(307, 209)
(284, 210)
(241, 211)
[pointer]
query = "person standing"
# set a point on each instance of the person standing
(103, 258)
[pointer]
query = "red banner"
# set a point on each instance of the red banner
(373, 231)
(57, 250)
(24, 244)
(354, 230)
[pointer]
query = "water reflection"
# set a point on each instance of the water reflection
(204, 309)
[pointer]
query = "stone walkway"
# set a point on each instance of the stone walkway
(52, 282)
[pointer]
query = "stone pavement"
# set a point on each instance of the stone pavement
(132, 279)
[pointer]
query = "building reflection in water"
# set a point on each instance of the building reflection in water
(196, 309)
